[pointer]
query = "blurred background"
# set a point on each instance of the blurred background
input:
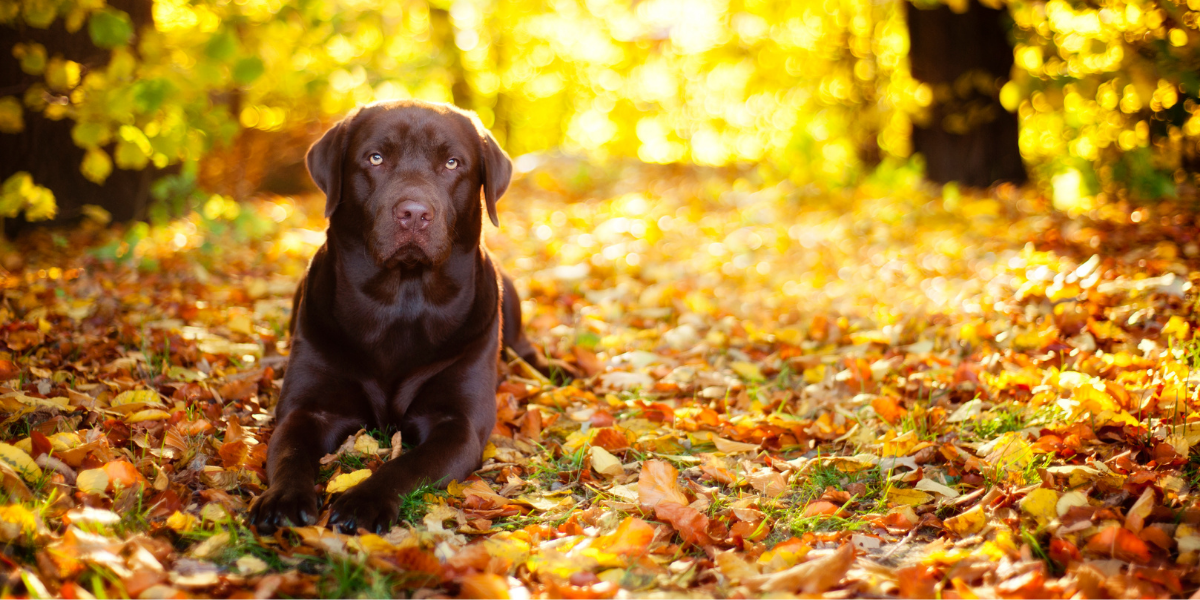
(149, 108)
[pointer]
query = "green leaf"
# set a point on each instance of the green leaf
(222, 47)
(149, 94)
(90, 134)
(248, 69)
(39, 14)
(110, 28)
(11, 119)
(32, 57)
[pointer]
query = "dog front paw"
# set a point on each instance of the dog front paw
(284, 506)
(364, 508)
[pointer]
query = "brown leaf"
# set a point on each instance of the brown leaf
(8, 369)
(588, 361)
(239, 389)
(691, 524)
(478, 496)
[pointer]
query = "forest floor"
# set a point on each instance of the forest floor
(886, 391)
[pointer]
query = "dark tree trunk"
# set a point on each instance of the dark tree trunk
(45, 148)
(967, 137)
(443, 37)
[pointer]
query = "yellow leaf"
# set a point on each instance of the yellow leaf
(181, 522)
(748, 371)
(92, 481)
(605, 463)
(15, 521)
(968, 523)
(1041, 504)
(366, 444)
(456, 489)
(346, 481)
(908, 497)
(732, 447)
(20, 461)
(135, 400)
(152, 414)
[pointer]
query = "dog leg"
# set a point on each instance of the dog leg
(297, 445)
(451, 451)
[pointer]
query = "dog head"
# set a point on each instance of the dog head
(407, 177)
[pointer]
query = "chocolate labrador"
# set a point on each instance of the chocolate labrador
(399, 320)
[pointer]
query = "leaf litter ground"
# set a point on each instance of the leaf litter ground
(878, 392)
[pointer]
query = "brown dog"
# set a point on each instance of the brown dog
(399, 320)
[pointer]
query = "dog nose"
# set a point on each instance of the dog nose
(413, 215)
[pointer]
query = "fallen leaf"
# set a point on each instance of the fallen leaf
(908, 497)
(812, 577)
(967, 523)
(346, 481)
(20, 461)
(605, 463)
(657, 483)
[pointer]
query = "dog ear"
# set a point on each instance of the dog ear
(324, 162)
(497, 172)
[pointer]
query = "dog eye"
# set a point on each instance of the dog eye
(376, 159)
(452, 164)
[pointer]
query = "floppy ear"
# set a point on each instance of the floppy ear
(497, 172)
(324, 162)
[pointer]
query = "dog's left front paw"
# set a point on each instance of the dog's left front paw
(364, 508)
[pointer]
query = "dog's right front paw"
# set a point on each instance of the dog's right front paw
(283, 507)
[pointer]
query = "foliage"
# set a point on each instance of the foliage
(1108, 95)
(992, 405)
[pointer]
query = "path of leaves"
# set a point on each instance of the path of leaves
(877, 393)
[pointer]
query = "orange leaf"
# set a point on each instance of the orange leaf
(888, 409)
(8, 369)
(478, 496)
(821, 507)
(718, 469)
(122, 473)
(610, 439)
(1063, 552)
(917, 581)
(240, 389)
(689, 522)
(659, 482)
(1118, 542)
(233, 454)
(588, 361)
(483, 585)
(632, 537)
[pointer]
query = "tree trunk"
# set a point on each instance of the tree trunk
(443, 37)
(966, 136)
(45, 148)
